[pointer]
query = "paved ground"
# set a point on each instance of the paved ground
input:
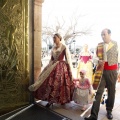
(74, 112)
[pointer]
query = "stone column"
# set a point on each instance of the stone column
(37, 37)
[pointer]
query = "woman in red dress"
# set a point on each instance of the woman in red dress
(55, 83)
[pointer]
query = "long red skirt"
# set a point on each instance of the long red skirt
(58, 87)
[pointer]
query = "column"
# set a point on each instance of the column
(37, 37)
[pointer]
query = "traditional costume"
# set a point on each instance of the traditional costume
(85, 62)
(105, 76)
(83, 91)
(55, 83)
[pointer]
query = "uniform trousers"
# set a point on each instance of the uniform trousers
(108, 80)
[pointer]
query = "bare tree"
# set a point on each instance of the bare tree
(69, 28)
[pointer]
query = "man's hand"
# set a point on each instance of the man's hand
(101, 62)
(118, 78)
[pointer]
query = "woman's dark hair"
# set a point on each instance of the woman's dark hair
(58, 35)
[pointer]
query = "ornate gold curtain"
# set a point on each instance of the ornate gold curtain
(14, 51)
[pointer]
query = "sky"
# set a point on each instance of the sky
(98, 13)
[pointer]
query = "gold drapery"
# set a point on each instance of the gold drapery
(14, 51)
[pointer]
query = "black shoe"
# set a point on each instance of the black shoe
(48, 105)
(90, 118)
(109, 115)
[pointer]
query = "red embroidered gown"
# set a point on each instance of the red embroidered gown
(58, 86)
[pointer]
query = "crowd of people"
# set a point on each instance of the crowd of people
(56, 83)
